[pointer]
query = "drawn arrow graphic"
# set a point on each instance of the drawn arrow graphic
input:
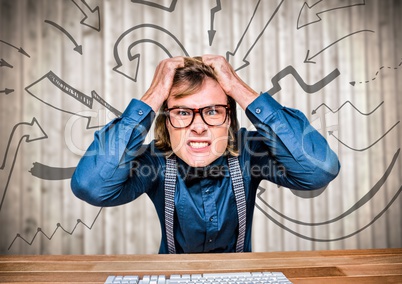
(347, 102)
(289, 70)
(31, 132)
(308, 59)
(133, 37)
(353, 83)
(246, 63)
(90, 15)
(211, 32)
(157, 5)
(363, 149)
(20, 50)
(321, 7)
(77, 47)
(279, 224)
(45, 172)
(366, 198)
(4, 63)
(7, 91)
(58, 226)
(49, 87)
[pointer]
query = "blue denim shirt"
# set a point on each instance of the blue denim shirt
(285, 149)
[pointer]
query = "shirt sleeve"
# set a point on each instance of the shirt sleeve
(291, 143)
(103, 174)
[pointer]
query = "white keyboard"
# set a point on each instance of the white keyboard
(205, 278)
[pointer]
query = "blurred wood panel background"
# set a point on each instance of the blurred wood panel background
(345, 64)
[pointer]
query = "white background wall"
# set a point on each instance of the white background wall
(45, 131)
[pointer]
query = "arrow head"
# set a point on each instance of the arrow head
(20, 50)
(307, 60)
(78, 48)
(352, 83)
(330, 132)
(211, 35)
(5, 63)
(92, 20)
(304, 14)
(38, 134)
(7, 91)
(313, 112)
(229, 55)
(129, 69)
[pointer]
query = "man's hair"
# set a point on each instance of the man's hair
(190, 78)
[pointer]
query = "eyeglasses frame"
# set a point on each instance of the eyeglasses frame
(195, 111)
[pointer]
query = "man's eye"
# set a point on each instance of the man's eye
(182, 112)
(212, 112)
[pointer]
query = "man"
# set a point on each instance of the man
(202, 172)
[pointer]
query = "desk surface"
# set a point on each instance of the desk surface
(337, 266)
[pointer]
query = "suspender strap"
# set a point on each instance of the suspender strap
(238, 188)
(240, 197)
(170, 187)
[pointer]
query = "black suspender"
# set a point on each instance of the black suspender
(238, 188)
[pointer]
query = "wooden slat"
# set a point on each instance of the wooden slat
(331, 266)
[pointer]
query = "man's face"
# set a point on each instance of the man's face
(199, 144)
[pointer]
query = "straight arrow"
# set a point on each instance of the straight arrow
(7, 91)
(308, 59)
(94, 16)
(20, 50)
(211, 32)
(246, 63)
(306, 10)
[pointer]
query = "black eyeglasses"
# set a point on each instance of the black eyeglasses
(181, 117)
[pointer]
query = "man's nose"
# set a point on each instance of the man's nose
(198, 124)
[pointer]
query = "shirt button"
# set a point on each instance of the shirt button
(258, 110)
(140, 112)
(211, 219)
(210, 241)
(207, 191)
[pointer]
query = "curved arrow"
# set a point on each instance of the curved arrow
(246, 63)
(347, 102)
(156, 5)
(366, 198)
(333, 239)
(20, 50)
(77, 47)
(289, 70)
(4, 63)
(308, 59)
(363, 149)
(211, 32)
(94, 12)
(39, 230)
(318, 7)
(31, 132)
(129, 39)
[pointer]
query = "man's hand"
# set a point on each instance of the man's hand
(230, 81)
(161, 84)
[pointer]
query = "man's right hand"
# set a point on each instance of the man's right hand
(162, 82)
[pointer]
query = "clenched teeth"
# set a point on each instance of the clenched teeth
(198, 144)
